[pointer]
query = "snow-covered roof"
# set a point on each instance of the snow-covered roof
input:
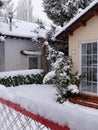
(95, 2)
(23, 29)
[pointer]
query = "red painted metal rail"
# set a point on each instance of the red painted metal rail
(14, 117)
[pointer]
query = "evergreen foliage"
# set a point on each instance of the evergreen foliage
(59, 46)
(51, 32)
(61, 11)
(40, 23)
(22, 80)
(61, 75)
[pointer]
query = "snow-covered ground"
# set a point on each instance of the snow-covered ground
(41, 99)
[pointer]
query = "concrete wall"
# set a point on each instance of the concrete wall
(82, 34)
(14, 60)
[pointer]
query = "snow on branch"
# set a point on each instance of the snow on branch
(2, 38)
(61, 74)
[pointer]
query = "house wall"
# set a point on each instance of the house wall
(2, 56)
(14, 60)
(82, 34)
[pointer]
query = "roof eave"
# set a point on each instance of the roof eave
(15, 36)
(65, 33)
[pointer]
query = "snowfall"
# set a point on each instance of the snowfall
(41, 99)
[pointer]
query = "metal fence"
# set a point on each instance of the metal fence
(14, 117)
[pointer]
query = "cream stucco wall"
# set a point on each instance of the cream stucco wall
(82, 34)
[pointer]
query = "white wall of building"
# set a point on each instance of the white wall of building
(2, 56)
(14, 60)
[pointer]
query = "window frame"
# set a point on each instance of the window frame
(87, 42)
(38, 56)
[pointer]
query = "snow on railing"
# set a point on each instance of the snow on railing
(14, 117)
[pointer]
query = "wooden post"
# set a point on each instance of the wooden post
(43, 53)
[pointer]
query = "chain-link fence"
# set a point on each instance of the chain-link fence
(13, 117)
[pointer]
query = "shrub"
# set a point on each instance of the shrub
(61, 75)
(22, 80)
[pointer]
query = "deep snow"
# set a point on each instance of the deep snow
(41, 99)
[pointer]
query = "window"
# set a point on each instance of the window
(89, 66)
(33, 62)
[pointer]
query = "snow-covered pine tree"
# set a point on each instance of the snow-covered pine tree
(61, 11)
(61, 75)
(51, 33)
(84, 3)
(40, 23)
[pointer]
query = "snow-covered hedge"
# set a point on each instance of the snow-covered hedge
(15, 78)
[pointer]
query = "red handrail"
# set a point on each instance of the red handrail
(52, 125)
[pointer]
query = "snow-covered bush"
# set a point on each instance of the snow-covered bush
(61, 75)
(49, 77)
(73, 89)
(15, 79)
